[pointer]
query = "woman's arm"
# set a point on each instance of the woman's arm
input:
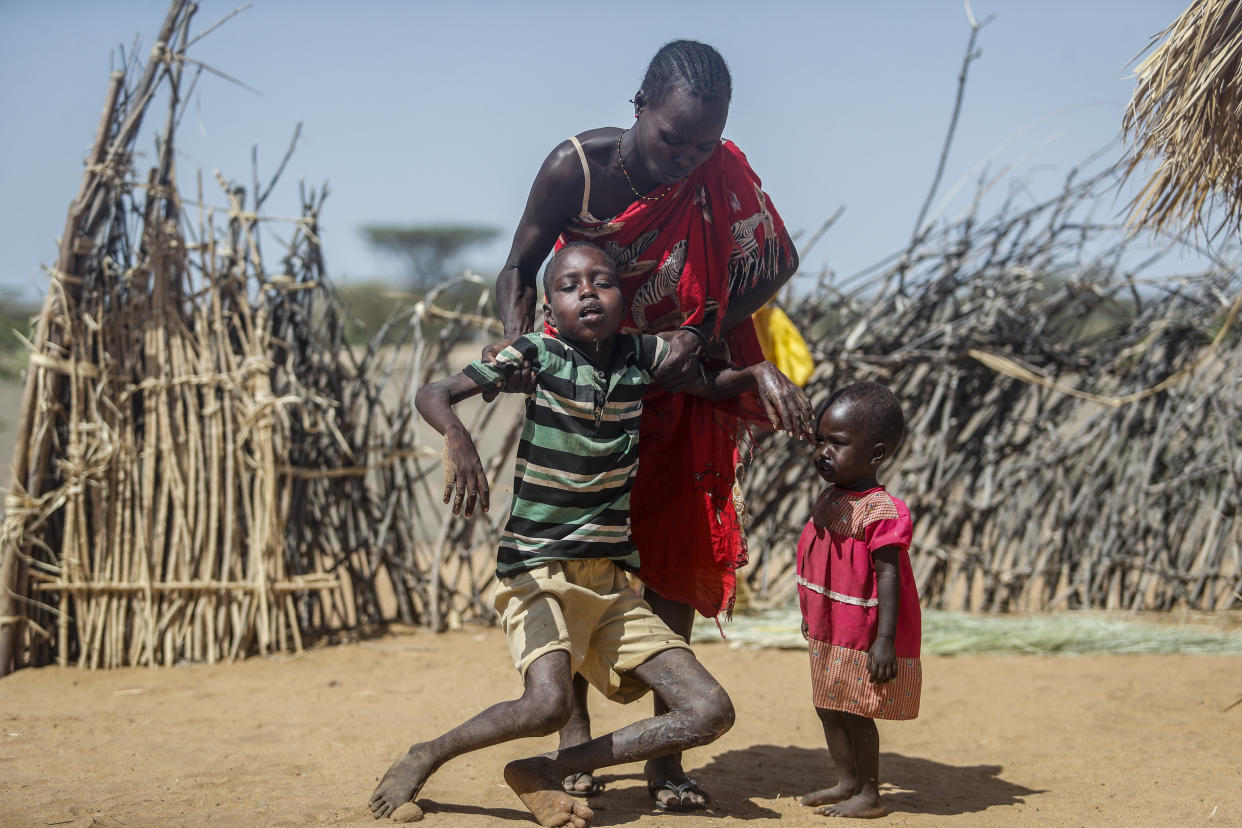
(555, 197)
(792, 416)
(463, 470)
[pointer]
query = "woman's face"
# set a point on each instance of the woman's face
(677, 135)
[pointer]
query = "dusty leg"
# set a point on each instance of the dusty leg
(865, 741)
(576, 731)
(699, 712)
(668, 769)
(842, 753)
(542, 709)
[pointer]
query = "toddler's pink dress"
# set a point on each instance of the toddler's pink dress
(837, 594)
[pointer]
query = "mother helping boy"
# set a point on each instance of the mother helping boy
(699, 248)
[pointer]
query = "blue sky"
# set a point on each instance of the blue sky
(419, 112)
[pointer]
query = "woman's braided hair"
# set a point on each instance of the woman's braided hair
(687, 64)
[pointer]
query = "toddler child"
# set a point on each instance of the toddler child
(860, 609)
(564, 600)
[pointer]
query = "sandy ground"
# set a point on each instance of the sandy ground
(302, 740)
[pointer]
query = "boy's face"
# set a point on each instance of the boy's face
(845, 454)
(584, 295)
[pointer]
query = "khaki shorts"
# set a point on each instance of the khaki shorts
(588, 609)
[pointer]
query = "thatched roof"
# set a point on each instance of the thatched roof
(1185, 115)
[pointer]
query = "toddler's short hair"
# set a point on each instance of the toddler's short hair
(878, 409)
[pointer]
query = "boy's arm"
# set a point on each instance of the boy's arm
(463, 471)
(793, 417)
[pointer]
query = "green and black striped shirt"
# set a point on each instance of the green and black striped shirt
(579, 449)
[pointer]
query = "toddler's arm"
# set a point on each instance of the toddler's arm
(463, 471)
(882, 660)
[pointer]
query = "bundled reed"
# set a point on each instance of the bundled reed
(1073, 433)
(1183, 117)
(204, 467)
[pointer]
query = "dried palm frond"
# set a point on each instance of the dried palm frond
(1184, 115)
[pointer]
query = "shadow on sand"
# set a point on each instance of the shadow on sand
(910, 784)
(741, 780)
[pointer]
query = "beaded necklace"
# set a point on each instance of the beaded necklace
(626, 173)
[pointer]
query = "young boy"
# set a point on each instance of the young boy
(565, 603)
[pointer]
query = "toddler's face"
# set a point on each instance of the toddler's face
(584, 295)
(843, 449)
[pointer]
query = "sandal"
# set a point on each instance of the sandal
(654, 787)
(571, 781)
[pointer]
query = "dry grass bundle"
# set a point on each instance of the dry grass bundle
(1184, 116)
(1072, 423)
(204, 469)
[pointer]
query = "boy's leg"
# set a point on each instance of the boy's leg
(865, 745)
(836, 734)
(576, 731)
(699, 712)
(543, 707)
(666, 779)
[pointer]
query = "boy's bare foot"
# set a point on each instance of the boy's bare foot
(537, 785)
(863, 805)
(829, 796)
(402, 782)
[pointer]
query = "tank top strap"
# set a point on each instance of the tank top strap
(584, 214)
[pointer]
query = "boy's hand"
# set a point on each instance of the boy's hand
(787, 407)
(882, 660)
(464, 478)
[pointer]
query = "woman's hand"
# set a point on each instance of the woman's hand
(882, 660)
(464, 478)
(786, 406)
(519, 382)
(683, 365)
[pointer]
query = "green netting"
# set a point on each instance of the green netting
(953, 633)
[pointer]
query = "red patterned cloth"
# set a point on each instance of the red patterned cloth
(840, 681)
(712, 235)
(839, 600)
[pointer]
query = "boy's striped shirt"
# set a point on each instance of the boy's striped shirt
(579, 449)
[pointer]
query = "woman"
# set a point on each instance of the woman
(699, 250)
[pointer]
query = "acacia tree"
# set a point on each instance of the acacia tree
(429, 252)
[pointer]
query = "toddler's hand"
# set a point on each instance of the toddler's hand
(806, 630)
(882, 661)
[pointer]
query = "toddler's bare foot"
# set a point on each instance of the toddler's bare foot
(539, 788)
(863, 805)
(829, 796)
(402, 782)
